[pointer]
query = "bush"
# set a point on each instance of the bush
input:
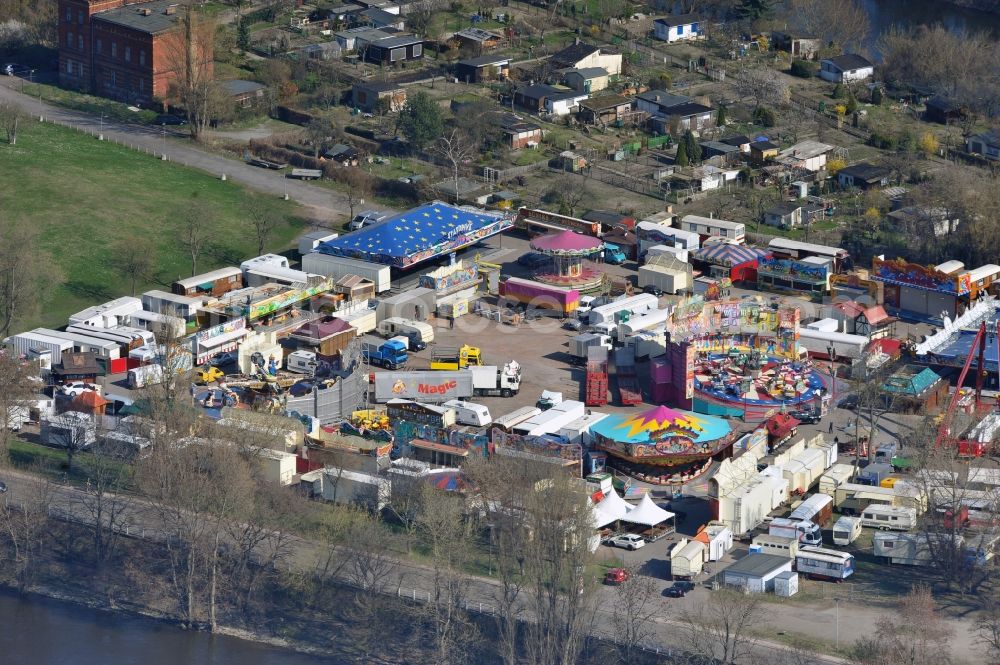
(852, 104)
(765, 117)
(803, 69)
(882, 141)
(838, 91)
(877, 96)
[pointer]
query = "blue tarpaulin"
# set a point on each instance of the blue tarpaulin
(419, 234)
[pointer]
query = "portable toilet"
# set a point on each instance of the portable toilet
(786, 584)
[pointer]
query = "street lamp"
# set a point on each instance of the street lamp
(163, 136)
(102, 124)
(837, 644)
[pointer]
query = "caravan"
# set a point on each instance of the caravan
(469, 413)
(896, 518)
(846, 530)
(416, 331)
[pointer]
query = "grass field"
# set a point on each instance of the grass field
(83, 195)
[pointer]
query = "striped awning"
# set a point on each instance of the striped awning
(724, 254)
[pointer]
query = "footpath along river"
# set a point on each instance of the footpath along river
(41, 631)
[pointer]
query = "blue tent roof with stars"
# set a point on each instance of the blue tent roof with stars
(418, 234)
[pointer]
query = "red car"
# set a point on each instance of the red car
(616, 576)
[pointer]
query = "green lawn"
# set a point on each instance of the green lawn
(51, 462)
(83, 195)
(79, 101)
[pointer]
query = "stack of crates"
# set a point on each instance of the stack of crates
(597, 376)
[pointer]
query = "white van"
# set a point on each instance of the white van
(469, 413)
(301, 362)
(399, 326)
(896, 518)
(846, 530)
(145, 375)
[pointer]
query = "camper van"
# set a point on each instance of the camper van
(896, 518)
(302, 362)
(144, 375)
(806, 531)
(417, 331)
(846, 530)
(469, 413)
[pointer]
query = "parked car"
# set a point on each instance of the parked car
(807, 416)
(573, 324)
(653, 290)
(74, 388)
(532, 260)
(617, 576)
(226, 358)
(850, 402)
(628, 541)
(675, 591)
(209, 374)
(3, 487)
(169, 119)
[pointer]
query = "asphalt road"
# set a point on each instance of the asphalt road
(325, 206)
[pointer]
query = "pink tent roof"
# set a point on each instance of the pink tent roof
(566, 241)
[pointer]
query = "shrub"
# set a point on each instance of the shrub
(765, 117)
(803, 69)
(876, 96)
(838, 91)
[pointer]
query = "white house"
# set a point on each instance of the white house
(564, 103)
(581, 56)
(677, 28)
(846, 69)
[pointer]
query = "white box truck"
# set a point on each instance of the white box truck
(806, 531)
(469, 413)
(338, 266)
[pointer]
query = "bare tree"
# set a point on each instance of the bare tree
(446, 537)
(988, 629)
(189, 55)
(762, 86)
(27, 274)
(19, 384)
(843, 23)
(11, 117)
(195, 487)
(261, 219)
(541, 537)
(195, 232)
(914, 635)
(420, 13)
(316, 133)
(24, 519)
(723, 628)
(358, 188)
(456, 148)
(633, 611)
(134, 257)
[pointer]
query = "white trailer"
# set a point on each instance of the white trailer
(818, 342)
(846, 530)
(744, 507)
(910, 549)
(338, 266)
(687, 558)
(509, 420)
(805, 469)
(25, 343)
(652, 320)
(634, 305)
(892, 518)
(578, 431)
(100, 347)
(835, 476)
(553, 420)
(668, 279)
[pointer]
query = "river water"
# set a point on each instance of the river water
(884, 14)
(40, 631)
